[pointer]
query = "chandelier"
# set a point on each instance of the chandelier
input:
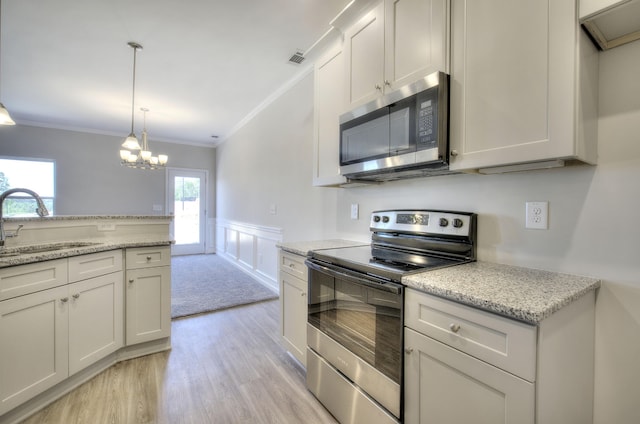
(145, 159)
(132, 154)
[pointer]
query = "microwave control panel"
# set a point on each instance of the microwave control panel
(427, 118)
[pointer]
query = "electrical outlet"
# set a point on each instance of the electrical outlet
(537, 215)
(354, 211)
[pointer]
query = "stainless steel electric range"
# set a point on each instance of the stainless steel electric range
(356, 300)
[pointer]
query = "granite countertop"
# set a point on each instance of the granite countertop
(83, 217)
(528, 295)
(11, 256)
(304, 247)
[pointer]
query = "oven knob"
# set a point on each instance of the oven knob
(376, 218)
(457, 223)
(385, 219)
(444, 222)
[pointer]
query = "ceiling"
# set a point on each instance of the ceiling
(205, 66)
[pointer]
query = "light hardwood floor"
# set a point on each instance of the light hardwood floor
(224, 367)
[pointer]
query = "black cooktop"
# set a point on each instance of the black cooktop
(370, 260)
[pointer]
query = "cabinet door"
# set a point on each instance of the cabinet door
(446, 386)
(364, 58)
(34, 345)
(416, 40)
(293, 298)
(329, 104)
(148, 304)
(95, 319)
(513, 81)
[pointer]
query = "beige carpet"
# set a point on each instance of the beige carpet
(206, 283)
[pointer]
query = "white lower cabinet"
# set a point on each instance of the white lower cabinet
(293, 304)
(465, 365)
(50, 334)
(446, 386)
(148, 294)
(96, 319)
(35, 345)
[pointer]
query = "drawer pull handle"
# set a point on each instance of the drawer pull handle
(77, 295)
(408, 350)
(454, 327)
(64, 300)
(292, 265)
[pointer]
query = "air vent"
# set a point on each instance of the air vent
(297, 57)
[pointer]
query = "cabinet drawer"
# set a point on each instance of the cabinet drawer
(30, 278)
(94, 265)
(147, 257)
(294, 265)
(503, 342)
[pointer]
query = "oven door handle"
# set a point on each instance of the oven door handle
(371, 281)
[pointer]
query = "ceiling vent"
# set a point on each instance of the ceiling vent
(297, 57)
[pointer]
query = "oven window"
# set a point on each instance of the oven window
(366, 321)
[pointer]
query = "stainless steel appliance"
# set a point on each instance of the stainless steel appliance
(400, 135)
(355, 318)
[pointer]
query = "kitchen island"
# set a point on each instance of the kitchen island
(77, 295)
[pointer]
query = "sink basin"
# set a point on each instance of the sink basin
(25, 250)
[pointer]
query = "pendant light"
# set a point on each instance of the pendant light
(131, 142)
(5, 118)
(144, 160)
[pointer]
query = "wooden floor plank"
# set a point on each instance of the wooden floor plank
(224, 367)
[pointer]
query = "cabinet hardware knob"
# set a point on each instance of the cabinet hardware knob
(131, 281)
(454, 153)
(148, 258)
(378, 87)
(77, 295)
(408, 350)
(292, 265)
(303, 294)
(454, 327)
(387, 83)
(64, 300)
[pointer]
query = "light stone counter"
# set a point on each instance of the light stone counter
(304, 247)
(11, 257)
(62, 236)
(528, 295)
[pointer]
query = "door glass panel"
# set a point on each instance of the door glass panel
(187, 210)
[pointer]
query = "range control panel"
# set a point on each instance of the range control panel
(423, 222)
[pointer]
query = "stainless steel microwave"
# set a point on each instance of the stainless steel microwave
(403, 134)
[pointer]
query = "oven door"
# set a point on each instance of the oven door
(355, 324)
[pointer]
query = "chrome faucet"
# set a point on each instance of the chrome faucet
(41, 210)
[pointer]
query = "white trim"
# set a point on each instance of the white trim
(266, 102)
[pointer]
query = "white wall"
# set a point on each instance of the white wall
(593, 210)
(89, 178)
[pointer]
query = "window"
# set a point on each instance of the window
(37, 175)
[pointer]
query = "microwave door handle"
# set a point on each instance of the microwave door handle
(383, 285)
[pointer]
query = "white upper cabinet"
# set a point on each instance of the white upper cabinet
(611, 23)
(329, 103)
(523, 85)
(416, 40)
(396, 43)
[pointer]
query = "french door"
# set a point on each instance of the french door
(186, 201)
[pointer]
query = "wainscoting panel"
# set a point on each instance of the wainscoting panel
(251, 248)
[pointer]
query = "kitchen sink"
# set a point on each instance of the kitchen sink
(42, 248)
